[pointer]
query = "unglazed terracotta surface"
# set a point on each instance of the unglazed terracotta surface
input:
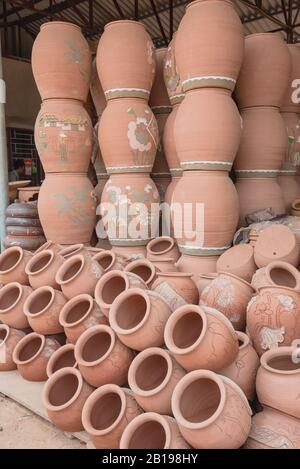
(9, 338)
(292, 155)
(169, 143)
(42, 267)
(276, 243)
(290, 188)
(176, 288)
(12, 265)
(238, 260)
(290, 103)
(159, 99)
(12, 299)
(171, 75)
(96, 91)
(61, 358)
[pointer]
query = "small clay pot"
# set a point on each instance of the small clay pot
(74, 249)
(144, 269)
(238, 260)
(12, 299)
(101, 357)
(108, 260)
(64, 396)
(276, 243)
(42, 268)
(42, 308)
(9, 338)
(163, 247)
(259, 279)
(176, 288)
(163, 265)
(106, 414)
(282, 274)
(63, 357)
(49, 245)
(152, 377)
(79, 314)
(152, 431)
(204, 280)
(13, 261)
(32, 354)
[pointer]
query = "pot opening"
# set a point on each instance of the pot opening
(3, 335)
(187, 330)
(281, 276)
(30, 349)
(40, 302)
(151, 372)
(77, 311)
(131, 311)
(200, 400)
(9, 297)
(142, 271)
(161, 246)
(284, 363)
(241, 343)
(39, 264)
(149, 435)
(105, 411)
(70, 251)
(72, 270)
(63, 390)
(112, 288)
(9, 260)
(105, 260)
(66, 359)
(96, 346)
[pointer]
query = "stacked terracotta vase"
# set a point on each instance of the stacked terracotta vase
(61, 63)
(128, 135)
(260, 91)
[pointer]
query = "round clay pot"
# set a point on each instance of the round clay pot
(130, 252)
(64, 396)
(276, 243)
(282, 274)
(238, 260)
(292, 156)
(108, 260)
(22, 222)
(176, 288)
(28, 194)
(211, 411)
(159, 100)
(214, 23)
(204, 280)
(259, 279)
(9, 338)
(96, 91)
(77, 275)
(24, 230)
(166, 264)
(12, 265)
(63, 357)
(171, 76)
(42, 267)
(120, 76)
(152, 377)
(163, 247)
(290, 188)
(201, 337)
(70, 251)
(197, 264)
(169, 143)
(290, 104)
(144, 269)
(21, 210)
(138, 317)
(152, 431)
(106, 414)
(112, 284)
(12, 299)
(27, 243)
(79, 314)
(50, 246)
(32, 354)
(70, 62)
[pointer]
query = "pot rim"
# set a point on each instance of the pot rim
(56, 355)
(175, 274)
(65, 23)
(24, 341)
(33, 296)
(139, 420)
(166, 259)
(102, 282)
(273, 353)
(70, 304)
(115, 305)
(83, 339)
(70, 251)
(45, 246)
(35, 258)
(68, 263)
(263, 34)
(6, 253)
(53, 380)
(157, 241)
(277, 287)
(202, 1)
(209, 276)
(145, 263)
(8, 331)
(104, 253)
(123, 21)
(241, 280)
(7, 287)
(285, 266)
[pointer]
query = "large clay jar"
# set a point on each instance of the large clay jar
(144, 269)
(201, 337)
(61, 61)
(276, 243)
(125, 60)
(159, 99)
(108, 260)
(96, 91)
(291, 99)
(79, 314)
(163, 247)
(61, 358)
(106, 414)
(209, 45)
(290, 188)
(176, 288)
(101, 357)
(152, 377)
(171, 75)
(9, 338)
(63, 136)
(169, 144)
(207, 129)
(42, 268)
(197, 264)
(32, 354)
(282, 274)
(265, 73)
(238, 260)
(212, 412)
(12, 265)
(64, 396)
(152, 431)
(278, 380)
(292, 155)
(12, 299)
(67, 208)
(138, 317)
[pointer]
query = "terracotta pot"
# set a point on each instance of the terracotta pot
(204, 280)
(64, 396)
(69, 251)
(197, 264)
(201, 337)
(106, 414)
(169, 195)
(70, 61)
(96, 91)
(290, 103)
(163, 265)
(108, 260)
(171, 76)
(101, 357)
(67, 208)
(265, 73)
(125, 60)
(160, 171)
(276, 243)
(12, 265)
(112, 284)
(207, 129)
(211, 411)
(138, 317)
(259, 279)
(22, 210)
(282, 274)
(25, 231)
(12, 299)
(22, 222)
(32, 354)
(144, 269)
(214, 23)
(176, 288)
(42, 267)
(290, 188)
(138, 251)
(63, 357)
(163, 247)
(50, 246)
(77, 275)
(170, 149)
(162, 181)
(159, 100)
(152, 377)
(292, 155)
(9, 338)
(238, 260)
(24, 242)
(28, 194)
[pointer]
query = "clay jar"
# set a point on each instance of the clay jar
(49, 245)
(282, 274)
(70, 251)
(201, 337)
(101, 357)
(152, 377)
(63, 396)
(265, 73)
(125, 60)
(204, 280)
(290, 104)
(214, 23)
(211, 411)
(159, 99)
(12, 299)
(176, 288)
(276, 243)
(169, 143)
(106, 414)
(77, 275)
(42, 268)
(9, 338)
(171, 75)
(207, 130)
(12, 265)
(61, 61)
(61, 358)
(67, 208)
(230, 295)
(197, 264)
(238, 260)
(32, 354)
(79, 314)
(138, 317)
(163, 247)
(165, 264)
(108, 260)
(144, 269)
(152, 431)
(290, 188)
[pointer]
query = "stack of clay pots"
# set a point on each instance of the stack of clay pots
(260, 91)
(61, 63)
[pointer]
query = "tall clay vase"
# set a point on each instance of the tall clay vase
(152, 431)
(106, 413)
(9, 338)
(216, 23)
(238, 260)
(290, 188)
(163, 247)
(212, 412)
(12, 300)
(61, 62)
(12, 265)
(64, 396)
(201, 338)
(171, 75)
(61, 358)
(42, 268)
(176, 288)
(290, 103)
(67, 208)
